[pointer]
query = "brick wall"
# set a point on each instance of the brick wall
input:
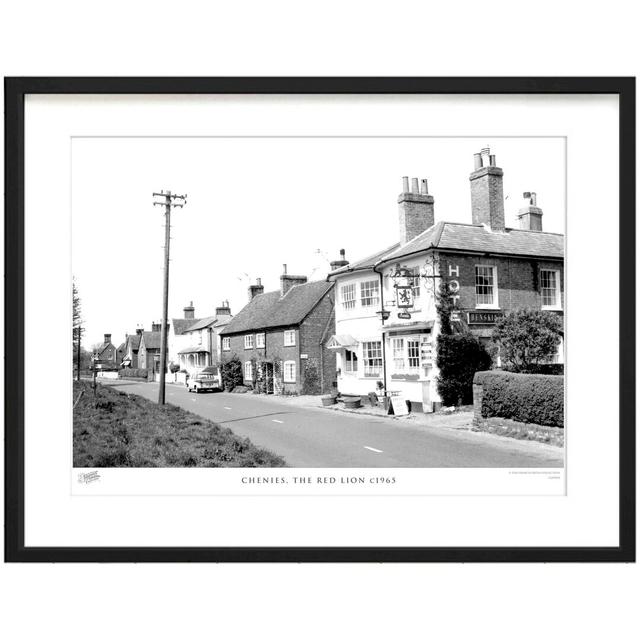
(487, 199)
(518, 280)
(274, 350)
(315, 331)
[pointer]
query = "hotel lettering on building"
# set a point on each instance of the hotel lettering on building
(385, 313)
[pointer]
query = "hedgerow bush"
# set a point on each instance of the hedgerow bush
(231, 373)
(132, 373)
(525, 397)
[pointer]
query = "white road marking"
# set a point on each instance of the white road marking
(193, 399)
(229, 408)
(278, 421)
(372, 449)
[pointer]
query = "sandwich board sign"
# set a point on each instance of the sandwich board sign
(398, 405)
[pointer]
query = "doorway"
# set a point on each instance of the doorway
(267, 376)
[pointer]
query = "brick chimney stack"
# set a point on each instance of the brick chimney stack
(342, 262)
(530, 216)
(189, 312)
(415, 209)
(155, 327)
(139, 331)
(487, 199)
(223, 309)
(287, 281)
(255, 289)
(107, 338)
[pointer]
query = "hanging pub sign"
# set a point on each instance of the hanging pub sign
(404, 297)
(404, 315)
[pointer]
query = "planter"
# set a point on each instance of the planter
(327, 401)
(352, 403)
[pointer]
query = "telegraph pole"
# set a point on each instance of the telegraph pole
(167, 200)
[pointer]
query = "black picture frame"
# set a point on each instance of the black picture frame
(15, 91)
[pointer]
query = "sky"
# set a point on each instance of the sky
(255, 204)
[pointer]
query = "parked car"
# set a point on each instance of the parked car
(206, 380)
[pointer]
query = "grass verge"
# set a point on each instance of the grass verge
(115, 429)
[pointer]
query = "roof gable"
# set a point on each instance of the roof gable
(180, 325)
(268, 310)
(151, 339)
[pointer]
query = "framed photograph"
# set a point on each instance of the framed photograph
(320, 319)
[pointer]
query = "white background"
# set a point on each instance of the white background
(319, 601)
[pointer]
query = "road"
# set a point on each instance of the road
(317, 437)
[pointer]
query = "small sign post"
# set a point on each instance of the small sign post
(398, 405)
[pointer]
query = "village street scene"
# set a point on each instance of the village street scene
(440, 346)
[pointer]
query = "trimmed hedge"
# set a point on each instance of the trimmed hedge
(525, 397)
(132, 373)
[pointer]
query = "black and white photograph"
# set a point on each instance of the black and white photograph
(359, 316)
(318, 302)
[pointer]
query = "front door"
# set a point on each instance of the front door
(267, 373)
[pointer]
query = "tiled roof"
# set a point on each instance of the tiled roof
(198, 349)
(105, 347)
(469, 237)
(152, 339)
(478, 237)
(273, 310)
(180, 325)
(200, 324)
(365, 263)
(134, 340)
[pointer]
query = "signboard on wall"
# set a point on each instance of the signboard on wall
(485, 317)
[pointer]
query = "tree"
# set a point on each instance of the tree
(459, 354)
(231, 373)
(78, 330)
(527, 339)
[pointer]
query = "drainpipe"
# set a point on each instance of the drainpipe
(384, 351)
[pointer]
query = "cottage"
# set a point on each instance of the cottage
(280, 337)
(107, 355)
(149, 349)
(202, 342)
(131, 347)
(386, 320)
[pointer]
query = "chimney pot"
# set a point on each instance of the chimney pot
(284, 269)
(425, 187)
(414, 185)
(254, 290)
(530, 216)
(342, 262)
(405, 184)
(189, 311)
(477, 161)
